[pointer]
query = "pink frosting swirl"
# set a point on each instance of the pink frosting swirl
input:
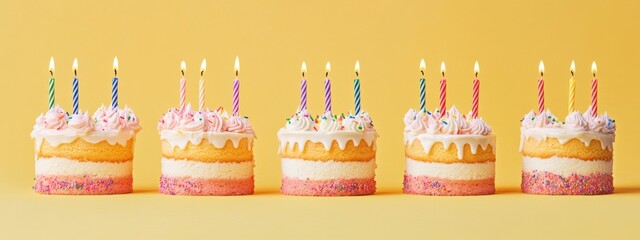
(192, 121)
(453, 123)
(170, 120)
(575, 121)
(81, 123)
(214, 121)
(239, 125)
(55, 119)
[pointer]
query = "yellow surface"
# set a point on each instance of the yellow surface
(272, 38)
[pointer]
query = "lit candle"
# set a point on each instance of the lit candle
(594, 91)
(356, 88)
(203, 67)
(303, 88)
(236, 89)
(114, 84)
(52, 83)
(476, 91)
(327, 89)
(423, 86)
(443, 91)
(572, 88)
(541, 88)
(75, 86)
(183, 87)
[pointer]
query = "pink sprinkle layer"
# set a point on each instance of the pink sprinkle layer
(82, 185)
(205, 187)
(328, 188)
(423, 185)
(552, 184)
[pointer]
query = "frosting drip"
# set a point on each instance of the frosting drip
(218, 139)
(474, 141)
(575, 126)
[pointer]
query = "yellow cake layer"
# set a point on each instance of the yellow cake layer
(84, 151)
(317, 151)
(574, 148)
(439, 154)
(207, 152)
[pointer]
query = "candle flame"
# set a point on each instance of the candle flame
(75, 66)
(594, 68)
(423, 66)
(541, 68)
(115, 65)
(203, 66)
(572, 68)
(357, 68)
(328, 69)
(303, 69)
(236, 66)
(183, 67)
(443, 68)
(476, 68)
(52, 66)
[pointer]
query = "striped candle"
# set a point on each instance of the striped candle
(541, 88)
(236, 89)
(476, 92)
(183, 87)
(423, 87)
(114, 84)
(594, 91)
(572, 88)
(327, 90)
(75, 93)
(356, 88)
(52, 83)
(303, 88)
(201, 95)
(443, 91)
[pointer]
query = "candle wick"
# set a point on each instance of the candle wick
(476, 74)
(75, 72)
(236, 73)
(326, 74)
(357, 74)
(302, 74)
(115, 72)
(422, 72)
(182, 71)
(572, 73)
(201, 73)
(51, 72)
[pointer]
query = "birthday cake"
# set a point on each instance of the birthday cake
(79, 154)
(206, 153)
(452, 154)
(328, 155)
(572, 157)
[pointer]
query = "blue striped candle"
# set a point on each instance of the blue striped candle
(423, 87)
(356, 88)
(114, 84)
(75, 87)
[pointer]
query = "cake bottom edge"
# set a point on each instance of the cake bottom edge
(546, 183)
(329, 187)
(82, 185)
(424, 185)
(191, 186)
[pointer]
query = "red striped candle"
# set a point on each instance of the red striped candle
(443, 91)
(594, 91)
(541, 88)
(476, 91)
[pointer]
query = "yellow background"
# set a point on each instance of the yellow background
(272, 38)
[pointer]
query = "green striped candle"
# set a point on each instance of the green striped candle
(52, 83)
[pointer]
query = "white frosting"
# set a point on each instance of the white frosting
(474, 141)
(57, 137)
(216, 170)
(326, 138)
(566, 166)
(453, 171)
(218, 139)
(564, 135)
(321, 170)
(68, 167)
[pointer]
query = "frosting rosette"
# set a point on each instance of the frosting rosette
(203, 121)
(329, 123)
(574, 121)
(453, 123)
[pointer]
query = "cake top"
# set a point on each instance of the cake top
(105, 121)
(574, 121)
(204, 121)
(452, 123)
(327, 123)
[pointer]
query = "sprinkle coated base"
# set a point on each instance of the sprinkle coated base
(328, 188)
(423, 185)
(551, 184)
(82, 185)
(205, 187)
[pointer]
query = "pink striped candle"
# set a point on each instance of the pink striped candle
(183, 87)
(443, 91)
(594, 91)
(236, 89)
(541, 88)
(476, 91)
(327, 90)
